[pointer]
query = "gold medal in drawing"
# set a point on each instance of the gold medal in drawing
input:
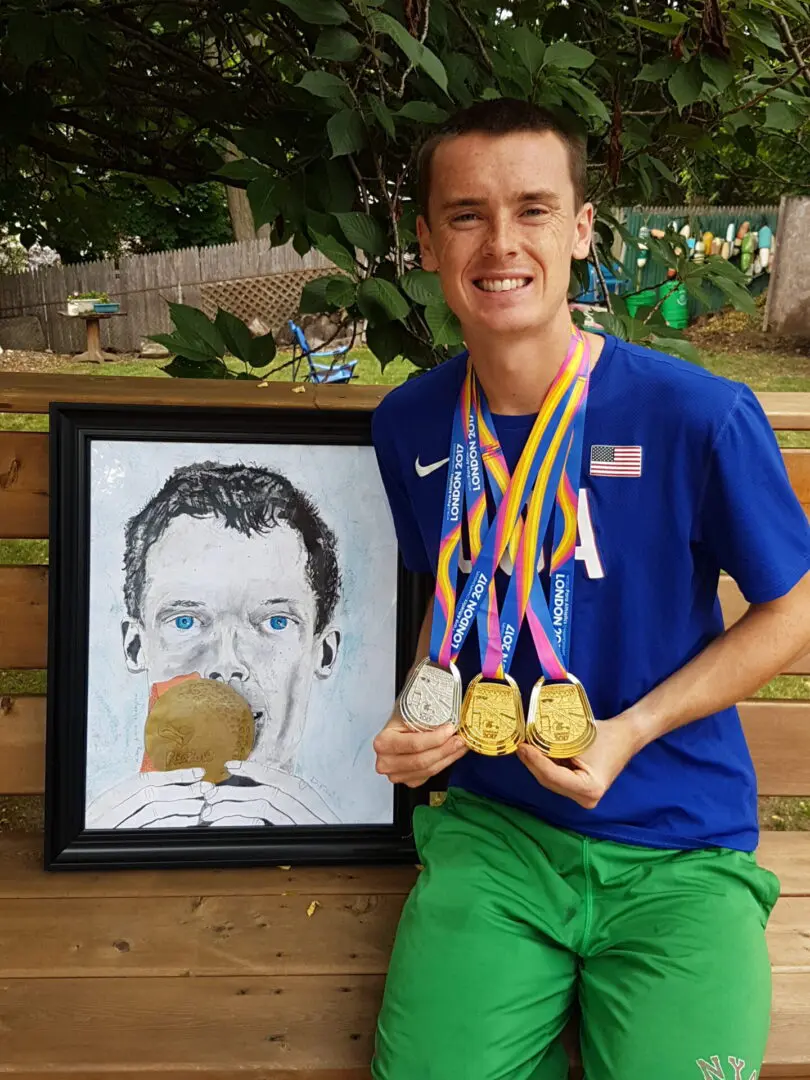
(199, 723)
(560, 721)
(492, 716)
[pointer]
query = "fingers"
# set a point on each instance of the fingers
(157, 814)
(258, 808)
(395, 739)
(570, 778)
(111, 800)
(116, 809)
(292, 809)
(237, 819)
(415, 768)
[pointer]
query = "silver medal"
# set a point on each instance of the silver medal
(432, 697)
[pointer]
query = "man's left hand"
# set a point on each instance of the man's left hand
(586, 778)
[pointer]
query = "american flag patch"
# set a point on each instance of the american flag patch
(615, 461)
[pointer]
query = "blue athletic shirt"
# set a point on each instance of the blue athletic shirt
(713, 495)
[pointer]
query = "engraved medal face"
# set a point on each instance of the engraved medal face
(432, 697)
(492, 717)
(199, 724)
(560, 722)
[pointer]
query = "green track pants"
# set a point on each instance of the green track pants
(513, 921)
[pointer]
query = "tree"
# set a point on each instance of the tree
(327, 99)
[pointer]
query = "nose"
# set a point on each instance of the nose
(226, 661)
(501, 238)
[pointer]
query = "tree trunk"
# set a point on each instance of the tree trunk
(239, 206)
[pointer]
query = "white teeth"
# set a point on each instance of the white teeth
(501, 284)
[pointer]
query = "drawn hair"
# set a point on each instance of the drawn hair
(247, 498)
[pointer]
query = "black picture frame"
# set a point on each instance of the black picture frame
(68, 844)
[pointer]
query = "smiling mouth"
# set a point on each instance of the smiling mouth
(497, 285)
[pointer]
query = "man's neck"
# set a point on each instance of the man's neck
(516, 374)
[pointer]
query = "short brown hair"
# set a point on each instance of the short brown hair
(505, 116)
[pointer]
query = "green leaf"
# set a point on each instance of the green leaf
(745, 138)
(346, 132)
(180, 347)
(318, 12)
(261, 194)
(185, 367)
(262, 351)
(194, 324)
(385, 341)
(489, 93)
(425, 112)
(337, 45)
(566, 55)
(593, 106)
(719, 71)
(676, 346)
(529, 48)
(334, 250)
(382, 114)
(364, 232)
(243, 169)
(234, 333)
(313, 297)
(71, 38)
(322, 84)
(664, 29)
(27, 36)
(761, 26)
(444, 325)
(422, 287)
(613, 324)
(665, 171)
(686, 84)
(781, 117)
(340, 291)
(658, 71)
(418, 54)
(739, 297)
(380, 301)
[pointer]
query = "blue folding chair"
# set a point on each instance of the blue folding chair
(335, 372)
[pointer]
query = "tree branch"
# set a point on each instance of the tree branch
(791, 44)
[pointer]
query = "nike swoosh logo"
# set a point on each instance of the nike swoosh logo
(426, 470)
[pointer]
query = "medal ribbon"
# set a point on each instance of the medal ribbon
(538, 479)
(544, 439)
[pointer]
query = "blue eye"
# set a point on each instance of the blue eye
(184, 622)
(278, 622)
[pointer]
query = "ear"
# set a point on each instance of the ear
(429, 260)
(132, 640)
(326, 655)
(583, 233)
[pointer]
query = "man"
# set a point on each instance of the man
(230, 574)
(625, 876)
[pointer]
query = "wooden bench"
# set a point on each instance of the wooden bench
(217, 974)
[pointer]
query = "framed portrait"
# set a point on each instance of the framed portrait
(229, 625)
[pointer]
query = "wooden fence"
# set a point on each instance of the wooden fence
(273, 278)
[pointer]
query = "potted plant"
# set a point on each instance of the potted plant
(86, 303)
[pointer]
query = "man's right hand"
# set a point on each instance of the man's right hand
(412, 757)
(151, 800)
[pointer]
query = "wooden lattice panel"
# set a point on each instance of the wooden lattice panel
(273, 298)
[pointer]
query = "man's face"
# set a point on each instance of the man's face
(238, 609)
(502, 209)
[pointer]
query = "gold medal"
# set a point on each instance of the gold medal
(561, 722)
(199, 723)
(492, 717)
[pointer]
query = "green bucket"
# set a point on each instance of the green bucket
(675, 309)
(647, 298)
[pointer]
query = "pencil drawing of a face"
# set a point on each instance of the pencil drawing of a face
(231, 573)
